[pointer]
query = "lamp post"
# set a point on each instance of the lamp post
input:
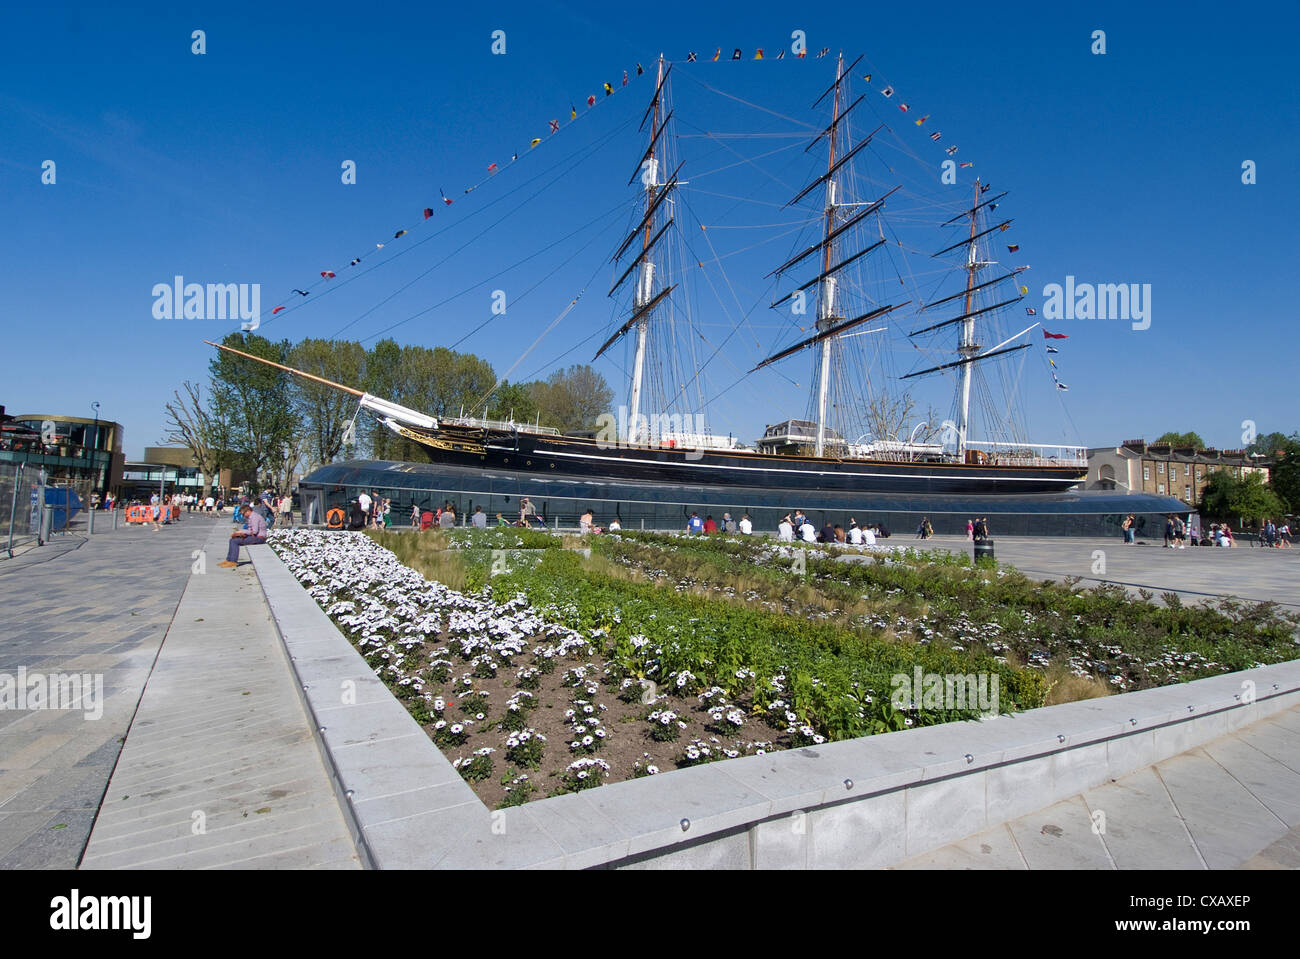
(94, 446)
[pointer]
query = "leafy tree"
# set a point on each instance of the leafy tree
(1270, 444)
(1252, 499)
(257, 398)
(511, 400)
(383, 379)
(1182, 439)
(572, 399)
(1216, 498)
(324, 413)
(1284, 477)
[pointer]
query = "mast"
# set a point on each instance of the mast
(968, 349)
(826, 302)
(645, 282)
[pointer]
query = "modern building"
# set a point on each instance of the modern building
(174, 468)
(1165, 470)
(71, 449)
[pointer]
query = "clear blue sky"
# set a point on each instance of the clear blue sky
(226, 168)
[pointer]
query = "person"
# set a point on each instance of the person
(920, 529)
(984, 526)
(806, 531)
(209, 504)
(970, 529)
(448, 518)
(1226, 530)
(728, 524)
(526, 512)
(415, 514)
(710, 527)
(363, 500)
(479, 518)
(388, 513)
(1126, 527)
(855, 533)
(1284, 536)
(869, 536)
(252, 534)
(501, 520)
(882, 531)
(1169, 531)
(827, 535)
(746, 526)
(695, 525)
(286, 510)
(356, 515)
(155, 510)
(839, 533)
(615, 526)
(785, 530)
(799, 519)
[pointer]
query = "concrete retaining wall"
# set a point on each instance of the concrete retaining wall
(867, 802)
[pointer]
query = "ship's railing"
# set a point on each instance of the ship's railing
(1033, 454)
(474, 422)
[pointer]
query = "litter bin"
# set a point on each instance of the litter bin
(984, 550)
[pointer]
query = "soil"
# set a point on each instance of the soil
(628, 739)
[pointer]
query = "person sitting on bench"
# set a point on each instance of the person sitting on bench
(252, 534)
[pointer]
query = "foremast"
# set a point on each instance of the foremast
(645, 299)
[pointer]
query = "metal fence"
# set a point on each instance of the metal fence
(21, 496)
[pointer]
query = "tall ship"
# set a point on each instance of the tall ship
(839, 294)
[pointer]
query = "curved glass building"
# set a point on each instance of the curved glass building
(560, 500)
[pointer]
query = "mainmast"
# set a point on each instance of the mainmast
(829, 323)
(645, 299)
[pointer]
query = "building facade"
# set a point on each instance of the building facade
(72, 450)
(1165, 470)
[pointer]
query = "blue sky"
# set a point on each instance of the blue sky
(225, 167)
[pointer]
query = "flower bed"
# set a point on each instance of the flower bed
(532, 700)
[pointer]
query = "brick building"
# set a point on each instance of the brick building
(1178, 471)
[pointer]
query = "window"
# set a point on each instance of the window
(1187, 494)
(1160, 468)
(1198, 474)
(1187, 469)
(1161, 488)
(1146, 474)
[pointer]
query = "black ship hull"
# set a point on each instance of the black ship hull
(522, 452)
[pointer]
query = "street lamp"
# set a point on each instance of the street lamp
(94, 445)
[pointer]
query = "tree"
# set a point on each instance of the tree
(1284, 476)
(323, 412)
(1270, 444)
(257, 398)
(204, 431)
(572, 399)
(1181, 439)
(382, 379)
(1253, 500)
(511, 400)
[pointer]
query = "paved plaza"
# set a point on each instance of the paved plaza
(1196, 574)
(219, 766)
(204, 756)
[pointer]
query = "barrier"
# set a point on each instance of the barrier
(144, 514)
